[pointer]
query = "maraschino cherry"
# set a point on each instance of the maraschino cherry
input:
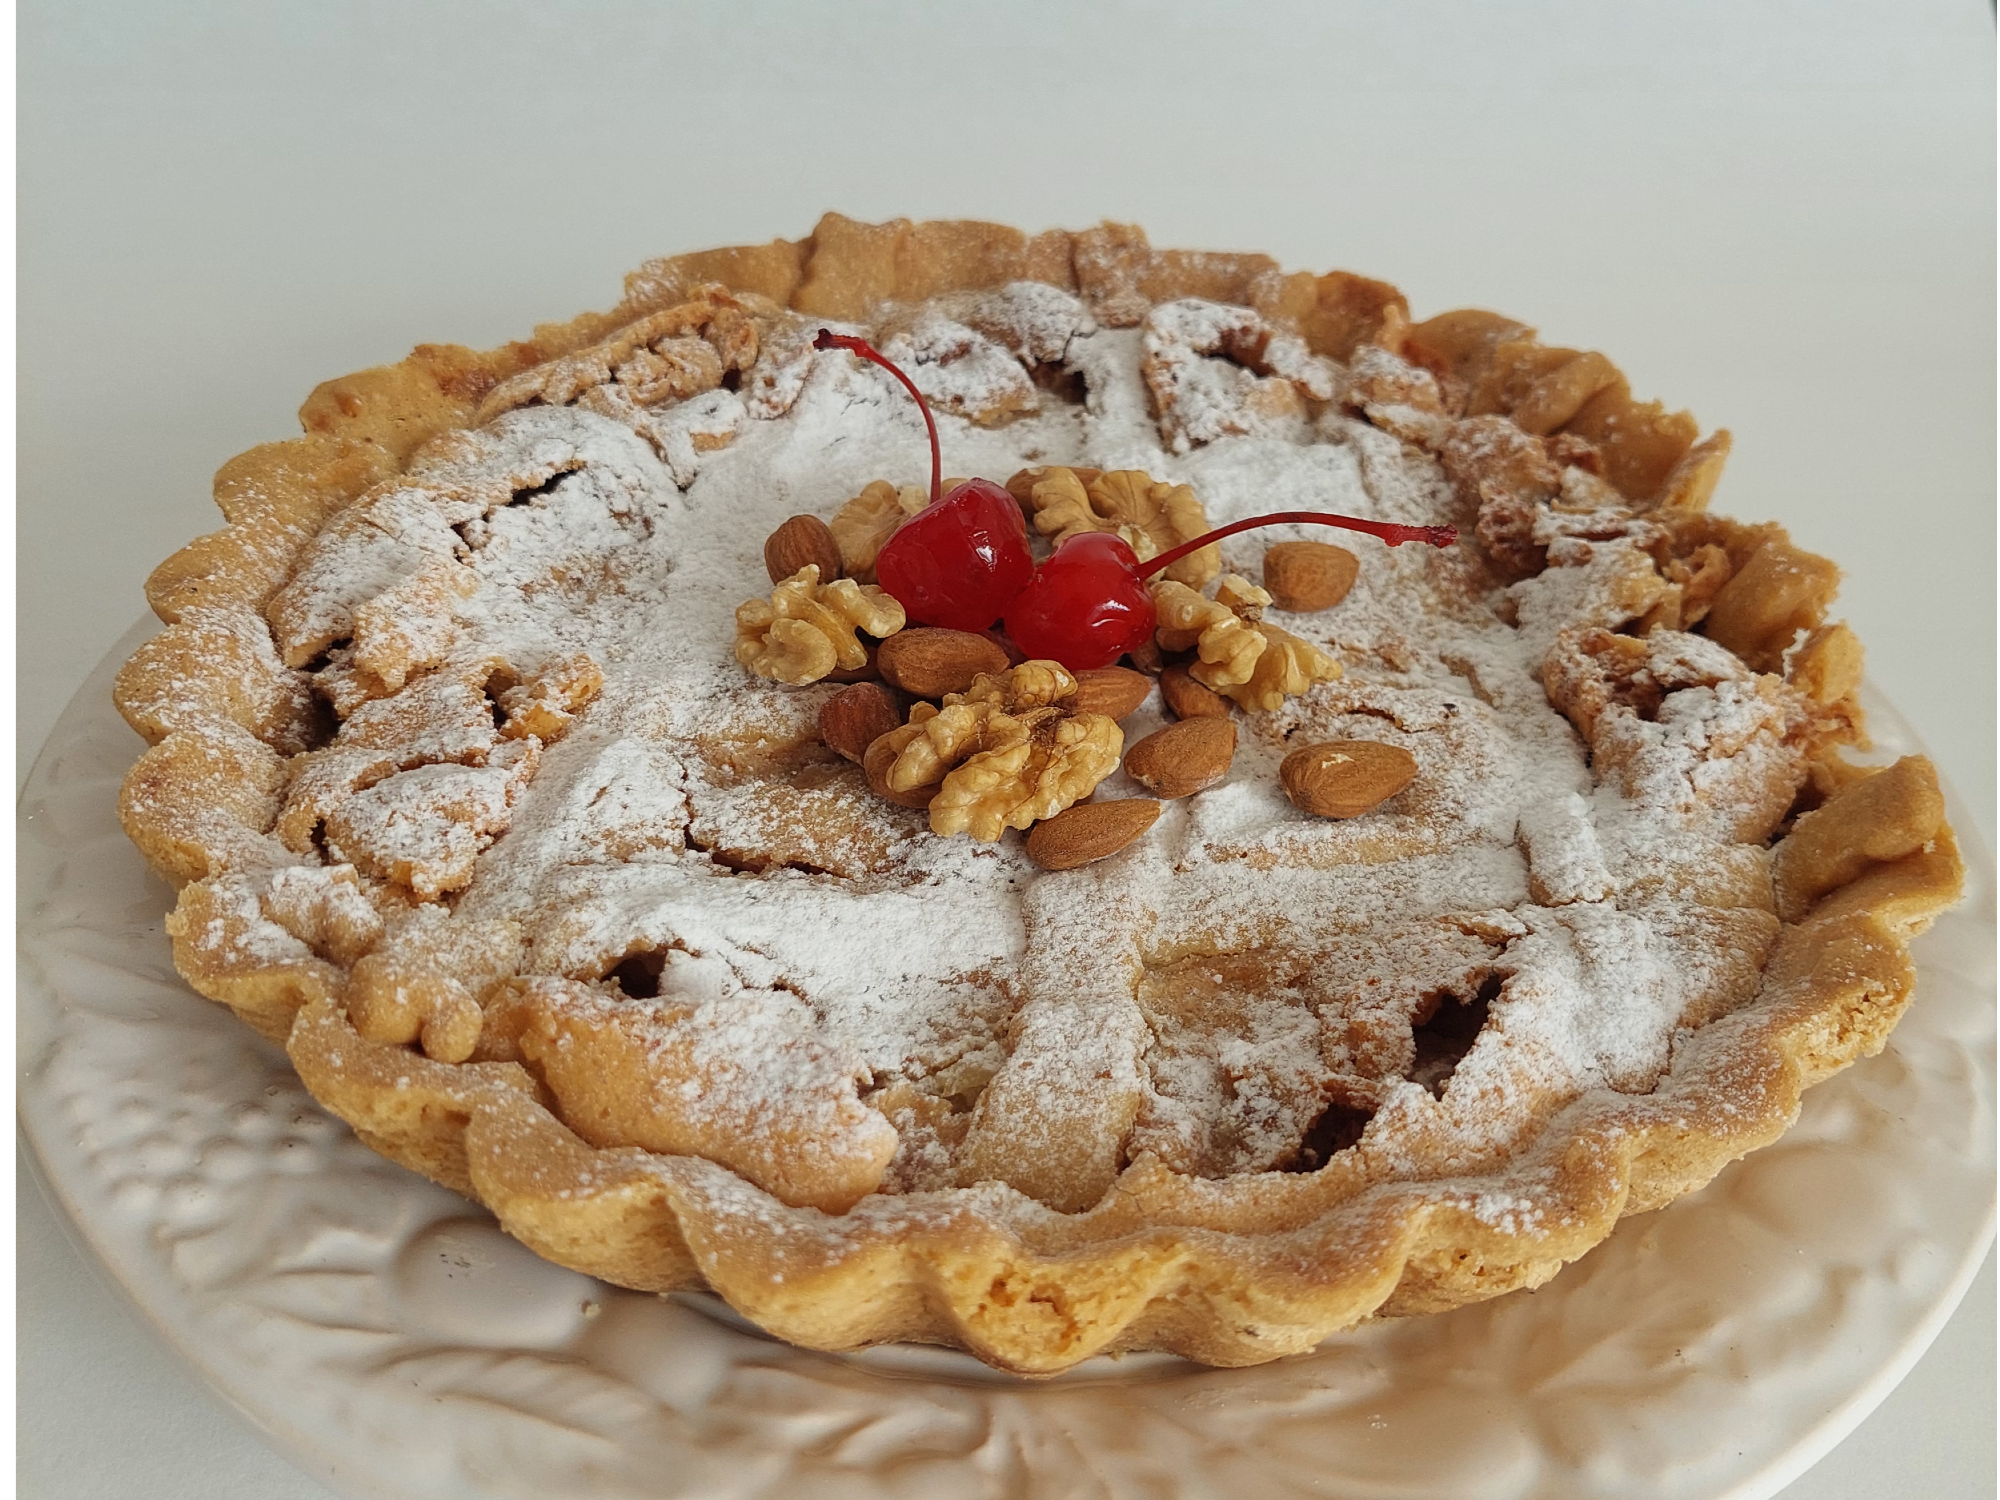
(1086, 606)
(963, 562)
(960, 560)
(1089, 604)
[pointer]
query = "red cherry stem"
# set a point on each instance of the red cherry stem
(1388, 531)
(828, 339)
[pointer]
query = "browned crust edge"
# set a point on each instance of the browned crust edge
(1152, 1265)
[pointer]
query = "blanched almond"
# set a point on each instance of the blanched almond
(930, 662)
(1183, 758)
(1345, 778)
(1090, 831)
(1111, 691)
(1305, 576)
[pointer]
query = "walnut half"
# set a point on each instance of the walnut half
(1151, 515)
(1256, 665)
(864, 524)
(808, 628)
(1007, 752)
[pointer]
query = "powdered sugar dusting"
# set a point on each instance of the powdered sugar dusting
(1215, 995)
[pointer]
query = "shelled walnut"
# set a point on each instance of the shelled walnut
(1004, 754)
(1254, 664)
(864, 524)
(808, 628)
(1151, 515)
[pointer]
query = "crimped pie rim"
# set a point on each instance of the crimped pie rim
(1146, 1268)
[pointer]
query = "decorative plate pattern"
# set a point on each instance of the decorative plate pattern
(359, 1312)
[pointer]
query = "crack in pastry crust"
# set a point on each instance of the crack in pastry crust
(550, 901)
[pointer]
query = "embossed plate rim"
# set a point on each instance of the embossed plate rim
(326, 1440)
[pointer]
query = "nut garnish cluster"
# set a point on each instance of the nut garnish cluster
(955, 724)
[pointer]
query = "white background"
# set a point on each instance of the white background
(1778, 215)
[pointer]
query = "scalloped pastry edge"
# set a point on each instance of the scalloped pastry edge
(1024, 1287)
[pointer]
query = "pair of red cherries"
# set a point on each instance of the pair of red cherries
(962, 562)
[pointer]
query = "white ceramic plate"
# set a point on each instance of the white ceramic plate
(360, 1314)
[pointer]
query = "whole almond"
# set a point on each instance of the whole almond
(1183, 758)
(1188, 698)
(1305, 576)
(801, 540)
(1090, 831)
(855, 717)
(1345, 778)
(868, 671)
(1111, 691)
(1145, 657)
(931, 662)
(875, 763)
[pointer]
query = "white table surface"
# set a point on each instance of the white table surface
(1779, 216)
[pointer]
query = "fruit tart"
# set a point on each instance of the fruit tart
(1027, 792)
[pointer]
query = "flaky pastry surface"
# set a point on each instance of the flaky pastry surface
(473, 808)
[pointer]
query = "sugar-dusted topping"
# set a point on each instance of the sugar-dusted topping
(785, 359)
(712, 1067)
(1397, 397)
(1217, 371)
(1565, 861)
(1592, 583)
(363, 552)
(1032, 320)
(424, 827)
(236, 930)
(1248, 988)
(1723, 758)
(680, 434)
(961, 371)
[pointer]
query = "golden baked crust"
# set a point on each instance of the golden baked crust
(456, 1042)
